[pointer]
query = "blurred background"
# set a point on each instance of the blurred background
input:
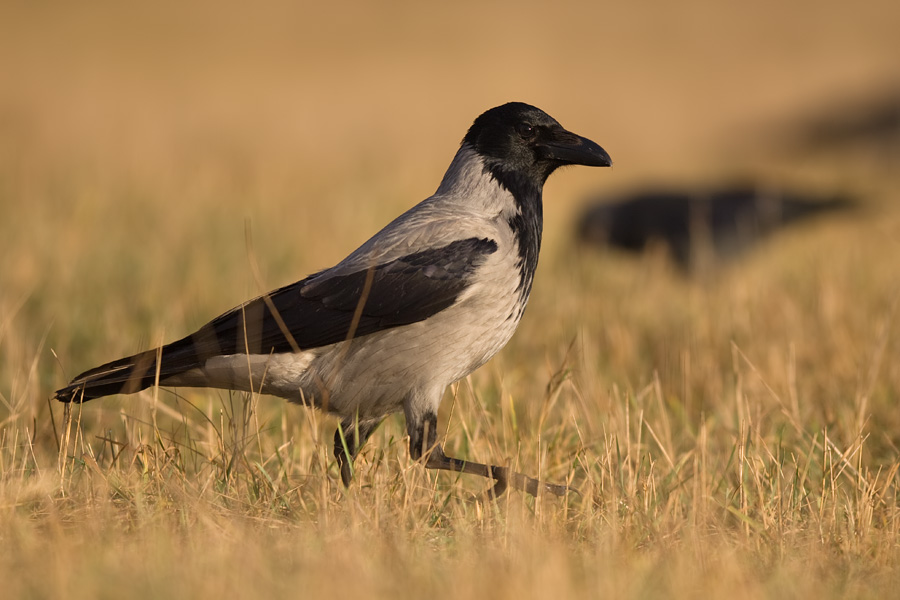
(142, 145)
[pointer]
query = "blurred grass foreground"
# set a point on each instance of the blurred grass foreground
(732, 435)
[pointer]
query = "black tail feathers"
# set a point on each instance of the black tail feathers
(132, 373)
(123, 376)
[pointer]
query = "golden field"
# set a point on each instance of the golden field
(732, 435)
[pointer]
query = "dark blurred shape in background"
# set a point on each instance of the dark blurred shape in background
(698, 227)
(868, 124)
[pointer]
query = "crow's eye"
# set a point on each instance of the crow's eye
(525, 131)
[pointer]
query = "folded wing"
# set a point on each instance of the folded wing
(323, 309)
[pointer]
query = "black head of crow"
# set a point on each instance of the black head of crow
(522, 139)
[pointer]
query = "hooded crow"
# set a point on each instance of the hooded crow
(423, 303)
(698, 225)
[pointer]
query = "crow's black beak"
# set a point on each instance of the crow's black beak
(571, 149)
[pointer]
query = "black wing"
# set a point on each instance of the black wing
(320, 310)
(311, 313)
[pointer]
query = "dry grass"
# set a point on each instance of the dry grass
(732, 436)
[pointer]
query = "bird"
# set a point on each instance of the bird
(422, 304)
(697, 223)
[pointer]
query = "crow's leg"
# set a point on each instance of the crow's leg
(354, 434)
(423, 442)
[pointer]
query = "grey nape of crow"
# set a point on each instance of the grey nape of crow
(420, 305)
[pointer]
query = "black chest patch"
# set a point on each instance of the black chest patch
(527, 224)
